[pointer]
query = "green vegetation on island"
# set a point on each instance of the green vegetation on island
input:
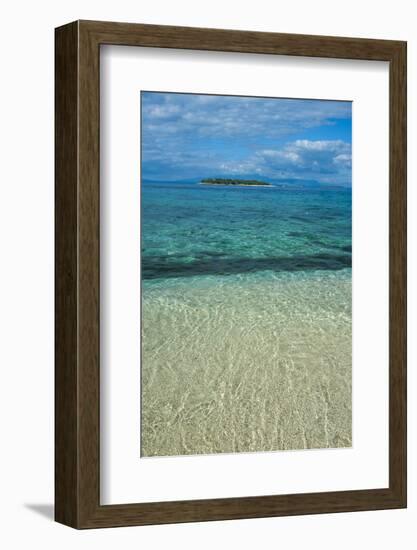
(225, 181)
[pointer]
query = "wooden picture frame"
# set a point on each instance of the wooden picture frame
(77, 405)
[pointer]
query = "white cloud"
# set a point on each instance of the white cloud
(194, 135)
(319, 145)
(161, 111)
(219, 115)
(328, 161)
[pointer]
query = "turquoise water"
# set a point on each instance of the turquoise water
(246, 319)
(194, 230)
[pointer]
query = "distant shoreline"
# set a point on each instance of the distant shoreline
(234, 185)
(235, 182)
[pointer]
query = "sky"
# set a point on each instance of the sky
(193, 136)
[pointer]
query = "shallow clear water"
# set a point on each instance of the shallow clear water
(246, 319)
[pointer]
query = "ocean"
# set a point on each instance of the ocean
(246, 319)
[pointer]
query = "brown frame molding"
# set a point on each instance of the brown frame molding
(77, 361)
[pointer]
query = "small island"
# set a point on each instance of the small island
(225, 181)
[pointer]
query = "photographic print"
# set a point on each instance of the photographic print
(246, 281)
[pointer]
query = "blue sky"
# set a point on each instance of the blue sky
(188, 136)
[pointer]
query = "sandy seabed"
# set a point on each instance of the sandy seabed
(245, 364)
